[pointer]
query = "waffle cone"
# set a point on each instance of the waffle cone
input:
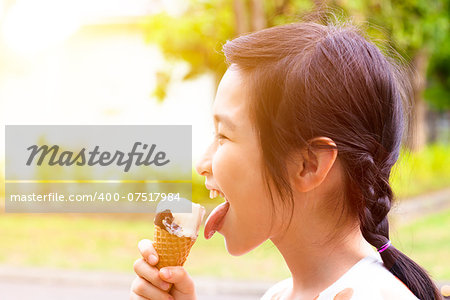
(172, 250)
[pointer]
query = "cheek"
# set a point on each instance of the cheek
(238, 173)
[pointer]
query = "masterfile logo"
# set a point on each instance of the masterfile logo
(96, 168)
(94, 157)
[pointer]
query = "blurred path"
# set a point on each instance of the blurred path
(408, 210)
(49, 284)
(24, 283)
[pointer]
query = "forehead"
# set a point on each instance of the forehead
(231, 98)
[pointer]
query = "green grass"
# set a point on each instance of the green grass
(427, 241)
(105, 243)
(69, 241)
(421, 172)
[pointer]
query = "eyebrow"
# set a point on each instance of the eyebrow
(225, 120)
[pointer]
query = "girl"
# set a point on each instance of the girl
(308, 122)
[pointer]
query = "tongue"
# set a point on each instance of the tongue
(215, 219)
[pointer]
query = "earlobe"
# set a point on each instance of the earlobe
(314, 163)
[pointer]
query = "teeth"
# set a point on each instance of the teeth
(214, 193)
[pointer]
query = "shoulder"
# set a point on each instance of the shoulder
(369, 279)
(389, 286)
(275, 291)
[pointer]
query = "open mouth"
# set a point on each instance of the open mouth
(216, 217)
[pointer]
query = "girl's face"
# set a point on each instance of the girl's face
(232, 165)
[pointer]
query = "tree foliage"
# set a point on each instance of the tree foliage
(414, 28)
(438, 77)
(196, 36)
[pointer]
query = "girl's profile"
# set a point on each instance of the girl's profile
(309, 121)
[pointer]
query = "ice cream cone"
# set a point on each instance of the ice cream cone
(172, 250)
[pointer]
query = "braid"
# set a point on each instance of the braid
(375, 199)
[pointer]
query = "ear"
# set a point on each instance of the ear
(314, 163)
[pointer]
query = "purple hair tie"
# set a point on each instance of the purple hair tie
(384, 247)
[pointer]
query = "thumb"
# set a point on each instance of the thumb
(182, 282)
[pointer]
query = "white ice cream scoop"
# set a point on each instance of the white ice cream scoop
(181, 224)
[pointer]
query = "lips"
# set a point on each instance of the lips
(216, 219)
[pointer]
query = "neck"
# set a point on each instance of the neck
(317, 259)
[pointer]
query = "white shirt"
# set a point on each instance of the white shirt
(368, 278)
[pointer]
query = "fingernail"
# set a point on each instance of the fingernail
(166, 273)
(143, 244)
(170, 298)
(152, 259)
(165, 285)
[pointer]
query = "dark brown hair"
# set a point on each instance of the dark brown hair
(308, 80)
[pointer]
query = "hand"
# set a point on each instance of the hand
(153, 284)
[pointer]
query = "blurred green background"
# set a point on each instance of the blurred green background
(127, 62)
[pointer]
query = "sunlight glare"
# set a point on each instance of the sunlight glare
(32, 26)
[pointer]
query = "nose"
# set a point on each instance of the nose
(204, 165)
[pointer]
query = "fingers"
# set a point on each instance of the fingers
(148, 252)
(183, 283)
(144, 289)
(149, 273)
(154, 284)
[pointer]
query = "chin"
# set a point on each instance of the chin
(236, 251)
(237, 247)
